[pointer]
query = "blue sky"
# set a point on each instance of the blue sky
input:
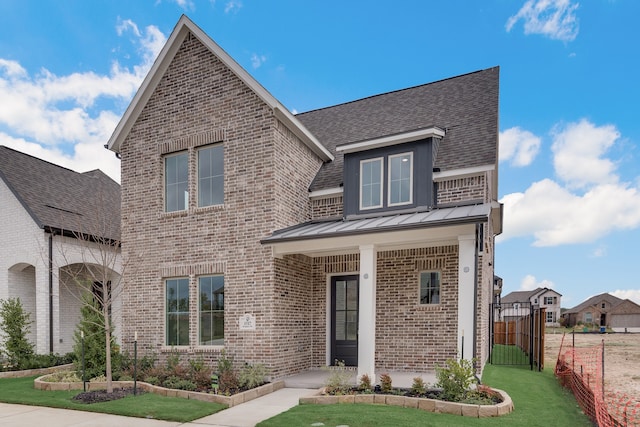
(569, 91)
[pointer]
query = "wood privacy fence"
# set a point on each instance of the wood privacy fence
(517, 334)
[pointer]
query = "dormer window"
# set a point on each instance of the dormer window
(390, 173)
(400, 179)
(371, 183)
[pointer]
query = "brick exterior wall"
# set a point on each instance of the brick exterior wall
(267, 172)
(411, 336)
(462, 189)
(327, 207)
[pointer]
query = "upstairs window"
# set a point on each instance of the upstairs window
(371, 183)
(211, 176)
(176, 182)
(548, 300)
(430, 287)
(400, 179)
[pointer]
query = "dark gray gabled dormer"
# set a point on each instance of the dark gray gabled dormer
(390, 173)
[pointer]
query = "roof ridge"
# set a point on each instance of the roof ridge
(39, 159)
(397, 90)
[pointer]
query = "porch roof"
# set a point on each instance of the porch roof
(339, 228)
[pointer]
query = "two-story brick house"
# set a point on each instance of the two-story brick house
(361, 232)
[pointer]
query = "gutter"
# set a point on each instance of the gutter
(51, 292)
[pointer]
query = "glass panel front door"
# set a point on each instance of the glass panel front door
(344, 320)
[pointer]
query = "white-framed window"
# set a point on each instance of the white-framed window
(211, 175)
(551, 316)
(400, 179)
(430, 287)
(176, 182)
(604, 305)
(177, 311)
(588, 317)
(548, 300)
(211, 310)
(371, 183)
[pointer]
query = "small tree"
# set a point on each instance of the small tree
(92, 326)
(16, 324)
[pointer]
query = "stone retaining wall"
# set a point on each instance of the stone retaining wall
(430, 405)
(32, 372)
(230, 401)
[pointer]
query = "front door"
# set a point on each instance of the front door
(344, 320)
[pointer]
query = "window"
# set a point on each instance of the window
(371, 183)
(588, 317)
(430, 287)
(211, 310)
(604, 305)
(551, 317)
(548, 300)
(211, 176)
(400, 179)
(177, 309)
(176, 182)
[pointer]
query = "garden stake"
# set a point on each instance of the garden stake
(135, 362)
(84, 383)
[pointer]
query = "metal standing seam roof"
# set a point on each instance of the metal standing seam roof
(61, 199)
(335, 228)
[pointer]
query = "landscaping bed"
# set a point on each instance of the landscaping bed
(40, 383)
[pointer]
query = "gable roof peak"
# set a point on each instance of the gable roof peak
(183, 28)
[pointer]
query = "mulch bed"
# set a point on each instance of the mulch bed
(97, 396)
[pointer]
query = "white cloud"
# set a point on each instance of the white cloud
(632, 294)
(555, 19)
(557, 213)
(47, 115)
(233, 6)
(257, 60)
(530, 283)
(578, 153)
(599, 252)
(518, 146)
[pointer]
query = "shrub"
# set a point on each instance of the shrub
(252, 376)
(228, 381)
(339, 380)
(95, 353)
(418, 387)
(455, 378)
(180, 384)
(385, 383)
(15, 323)
(365, 384)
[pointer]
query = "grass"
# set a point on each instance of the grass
(509, 355)
(148, 405)
(538, 399)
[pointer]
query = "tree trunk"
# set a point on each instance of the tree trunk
(107, 336)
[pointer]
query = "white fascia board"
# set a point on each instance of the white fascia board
(326, 193)
(182, 28)
(461, 173)
(386, 141)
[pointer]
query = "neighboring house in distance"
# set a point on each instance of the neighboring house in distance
(361, 232)
(541, 297)
(605, 310)
(43, 207)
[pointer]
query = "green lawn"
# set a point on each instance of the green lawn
(538, 398)
(148, 405)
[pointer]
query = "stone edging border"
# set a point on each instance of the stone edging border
(32, 372)
(230, 401)
(430, 405)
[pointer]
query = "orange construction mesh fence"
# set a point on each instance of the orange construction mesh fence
(581, 369)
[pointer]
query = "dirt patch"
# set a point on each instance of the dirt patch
(102, 395)
(621, 357)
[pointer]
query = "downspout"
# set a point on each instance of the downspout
(475, 301)
(51, 292)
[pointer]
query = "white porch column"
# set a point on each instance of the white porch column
(466, 289)
(41, 317)
(367, 312)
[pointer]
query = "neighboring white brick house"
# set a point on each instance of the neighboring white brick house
(545, 298)
(40, 204)
(362, 232)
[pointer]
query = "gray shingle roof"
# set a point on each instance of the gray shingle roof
(611, 299)
(61, 199)
(466, 106)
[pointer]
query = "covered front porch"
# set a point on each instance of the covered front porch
(384, 319)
